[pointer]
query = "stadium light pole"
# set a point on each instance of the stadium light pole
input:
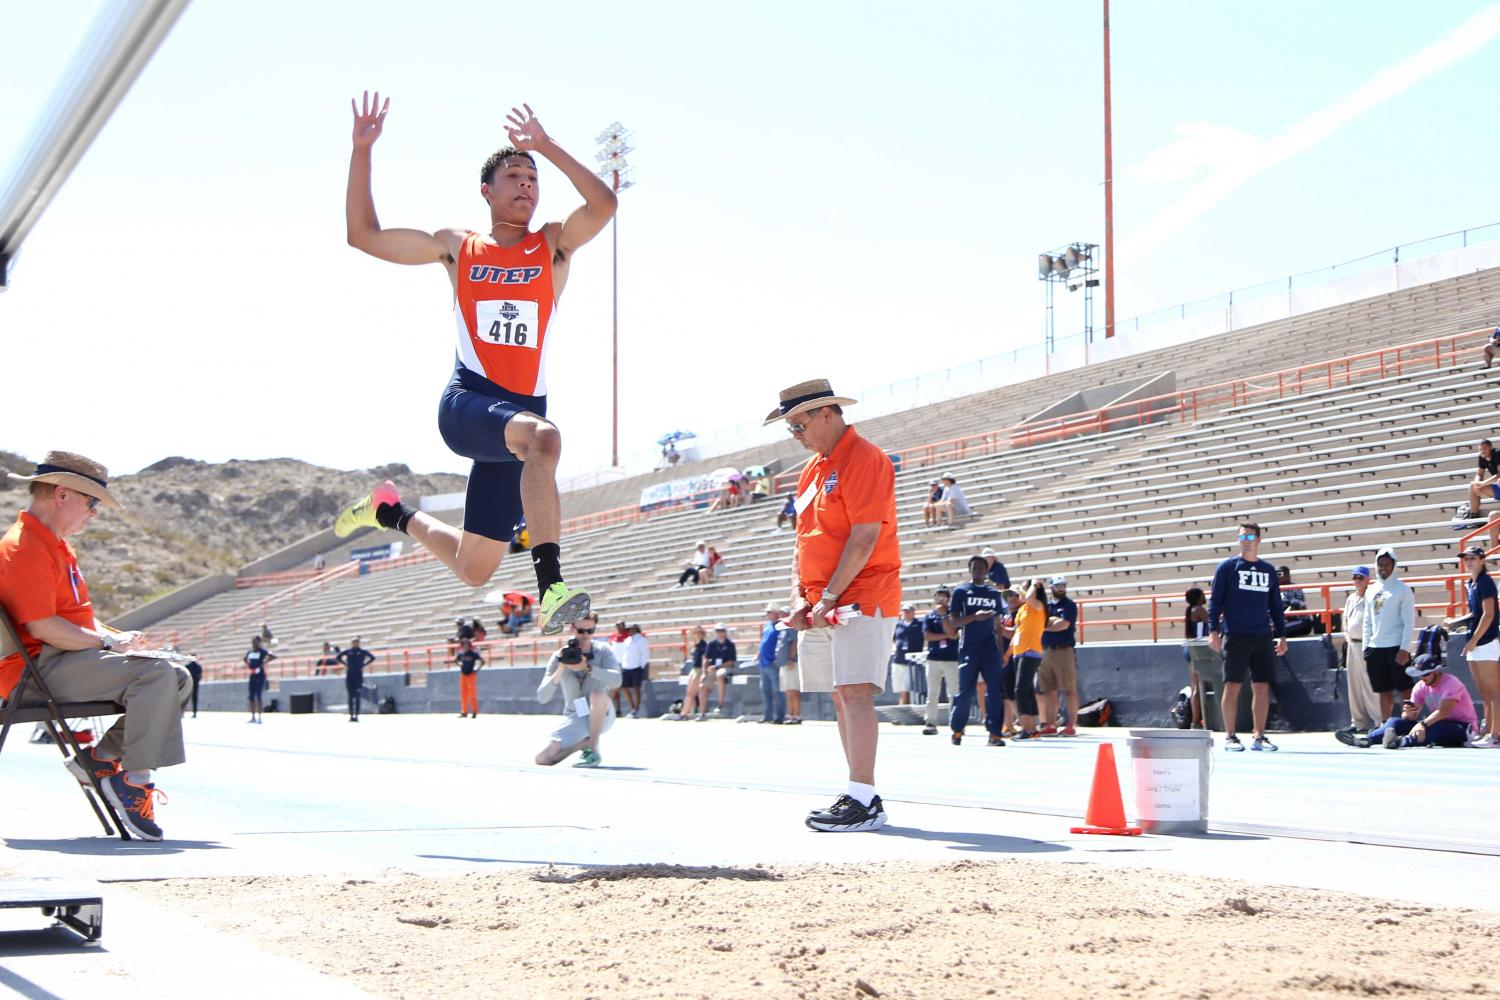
(1109, 196)
(614, 144)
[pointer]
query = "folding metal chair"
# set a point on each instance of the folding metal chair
(54, 715)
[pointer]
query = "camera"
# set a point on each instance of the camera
(571, 654)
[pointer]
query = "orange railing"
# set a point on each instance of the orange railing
(250, 612)
(1452, 586)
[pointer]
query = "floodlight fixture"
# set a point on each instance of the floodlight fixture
(1043, 265)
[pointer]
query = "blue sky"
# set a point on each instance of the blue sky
(856, 190)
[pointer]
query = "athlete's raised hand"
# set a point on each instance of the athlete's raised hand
(525, 131)
(369, 119)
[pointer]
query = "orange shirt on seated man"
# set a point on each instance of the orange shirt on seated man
(46, 597)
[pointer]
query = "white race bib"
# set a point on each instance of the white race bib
(581, 708)
(507, 322)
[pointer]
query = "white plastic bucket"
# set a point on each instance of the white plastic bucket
(1170, 768)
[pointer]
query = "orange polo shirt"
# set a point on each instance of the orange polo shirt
(39, 578)
(1030, 623)
(855, 484)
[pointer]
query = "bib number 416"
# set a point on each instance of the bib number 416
(507, 323)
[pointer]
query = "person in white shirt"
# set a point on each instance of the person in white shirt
(634, 664)
(1364, 704)
(954, 503)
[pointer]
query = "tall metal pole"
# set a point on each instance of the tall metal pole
(614, 337)
(1109, 197)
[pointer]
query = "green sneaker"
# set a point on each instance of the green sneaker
(562, 607)
(589, 758)
(361, 513)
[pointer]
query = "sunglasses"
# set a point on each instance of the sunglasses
(584, 631)
(799, 428)
(1248, 538)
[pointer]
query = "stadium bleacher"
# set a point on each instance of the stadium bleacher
(1351, 458)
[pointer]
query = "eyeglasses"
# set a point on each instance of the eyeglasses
(93, 503)
(799, 428)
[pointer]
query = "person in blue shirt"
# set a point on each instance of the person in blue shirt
(1057, 677)
(942, 657)
(774, 705)
(997, 573)
(1244, 612)
(906, 675)
(974, 612)
(256, 660)
(355, 659)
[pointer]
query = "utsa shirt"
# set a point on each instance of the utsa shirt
(503, 309)
(970, 599)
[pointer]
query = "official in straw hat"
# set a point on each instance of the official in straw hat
(44, 593)
(846, 554)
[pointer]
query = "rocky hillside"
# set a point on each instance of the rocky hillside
(187, 518)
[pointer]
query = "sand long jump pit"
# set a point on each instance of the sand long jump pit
(964, 929)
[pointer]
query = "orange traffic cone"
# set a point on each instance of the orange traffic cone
(1106, 813)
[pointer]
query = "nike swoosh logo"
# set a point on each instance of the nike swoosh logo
(533, 250)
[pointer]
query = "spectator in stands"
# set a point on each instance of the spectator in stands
(930, 508)
(1364, 704)
(1293, 600)
(585, 673)
(692, 572)
(1245, 606)
(255, 660)
(480, 632)
(998, 574)
(319, 563)
(45, 596)
(1492, 347)
(942, 657)
(265, 634)
(469, 661)
(1026, 650)
(518, 616)
(973, 615)
(715, 565)
(670, 455)
(791, 677)
(732, 495)
(1482, 651)
(1486, 480)
(954, 504)
(1440, 712)
(633, 668)
(760, 488)
(355, 659)
(773, 705)
(1057, 675)
(330, 658)
(788, 514)
(719, 661)
(906, 640)
(1195, 627)
(521, 540)
(461, 630)
(1390, 617)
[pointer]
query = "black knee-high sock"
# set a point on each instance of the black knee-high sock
(394, 516)
(546, 558)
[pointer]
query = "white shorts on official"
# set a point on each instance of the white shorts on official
(856, 652)
(1487, 653)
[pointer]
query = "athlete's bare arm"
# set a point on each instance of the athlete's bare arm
(586, 221)
(399, 246)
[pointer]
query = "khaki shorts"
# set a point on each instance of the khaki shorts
(1058, 672)
(856, 652)
(791, 678)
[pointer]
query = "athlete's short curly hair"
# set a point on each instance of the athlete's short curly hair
(499, 156)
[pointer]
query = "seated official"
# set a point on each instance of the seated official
(44, 593)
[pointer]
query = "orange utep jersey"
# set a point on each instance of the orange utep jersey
(503, 309)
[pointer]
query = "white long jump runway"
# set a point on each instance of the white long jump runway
(443, 796)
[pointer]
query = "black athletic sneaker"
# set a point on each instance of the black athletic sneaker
(836, 804)
(1350, 737)
(929, 731)
(995, 741)
(848, 816)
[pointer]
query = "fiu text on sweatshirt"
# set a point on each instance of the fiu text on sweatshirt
(1246, 599)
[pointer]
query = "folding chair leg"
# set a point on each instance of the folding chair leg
(96, 796)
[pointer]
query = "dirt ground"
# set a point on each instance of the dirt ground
(963, 930)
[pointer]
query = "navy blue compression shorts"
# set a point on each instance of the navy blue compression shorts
(472, 418)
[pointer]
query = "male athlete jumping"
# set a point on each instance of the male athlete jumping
(506, 284)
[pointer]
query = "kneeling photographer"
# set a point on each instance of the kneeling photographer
(587, 674)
